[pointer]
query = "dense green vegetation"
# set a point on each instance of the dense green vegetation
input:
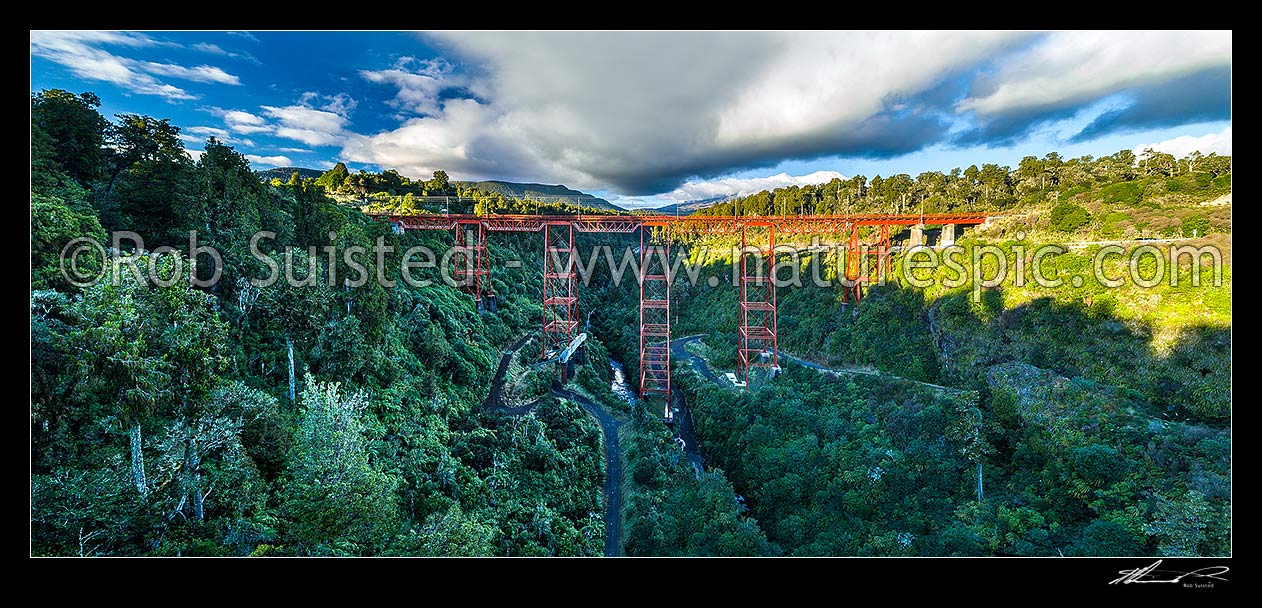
(672, 512)
(1156, 178)
(862, 466)
(284, 174)
(163, 420)
(1102, 414)
(390, 192)
(541, 192)
(1099, 416)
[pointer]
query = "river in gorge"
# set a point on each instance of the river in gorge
(619, 384)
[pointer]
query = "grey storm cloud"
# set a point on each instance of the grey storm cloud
(1062, 73)
(1201, 96)
(1009, 127)
(641, 113)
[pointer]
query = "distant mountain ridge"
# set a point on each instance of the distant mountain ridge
(693, 206)
(284, 172)
(543, 192)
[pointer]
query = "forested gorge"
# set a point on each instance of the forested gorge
(163, 421)
(324, 419)
(1100, 417)
(1095, 420)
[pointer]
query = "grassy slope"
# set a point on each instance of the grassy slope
(1139, 376)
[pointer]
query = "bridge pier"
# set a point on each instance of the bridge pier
(863, 264)
(948, 235)
(655, 320)
(917, 236)
(850, 288)
(883, 254)
(470, 262)
(756, 323)
(560, 288)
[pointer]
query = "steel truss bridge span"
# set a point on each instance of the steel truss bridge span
(756, 332)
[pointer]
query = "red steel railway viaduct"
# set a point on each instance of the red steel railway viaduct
(756, 321)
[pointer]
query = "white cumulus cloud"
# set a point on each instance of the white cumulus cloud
(270, 161)
(309, 125)
(417, 82)
(240, 121)
(83, 53)
(209, 132)
(1219, 143)
(315, 120)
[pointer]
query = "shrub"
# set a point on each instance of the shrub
(1122, 192)
(1109, 224)
(1067, 217)
(1105, 538)
(1195, 226)
(1072, 192)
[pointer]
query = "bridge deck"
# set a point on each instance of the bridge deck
(627, 224)
(756, 331)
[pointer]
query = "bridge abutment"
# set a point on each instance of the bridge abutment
(917, 236)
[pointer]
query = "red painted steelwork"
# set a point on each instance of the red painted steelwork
(560, 287)
(757, 316)
(655, 320)
(469, 261)
(756, 325)
(706, 224)
(866, 263)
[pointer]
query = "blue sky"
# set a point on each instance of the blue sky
(646, 119)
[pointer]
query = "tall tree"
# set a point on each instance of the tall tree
(337, 500)
(117, 363)
(139, 139)
(1158, 163)
(54, 223)
(150, 181)
(440, 185)
(334, 178)
(227, 204)
(75, 130)
(211, 427)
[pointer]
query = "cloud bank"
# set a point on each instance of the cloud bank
(646, 113)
